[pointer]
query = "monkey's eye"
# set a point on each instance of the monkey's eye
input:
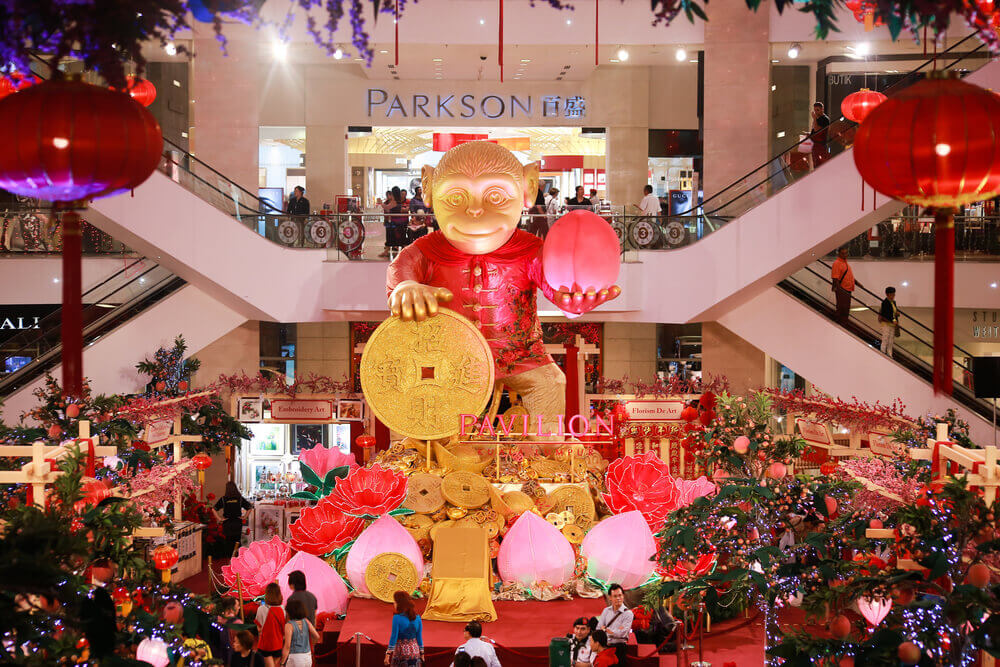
(497, 197)
(455, 198)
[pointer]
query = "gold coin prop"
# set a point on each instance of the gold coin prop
(388, 573)
(518, 501)
(574, 498)
(418, 525)
(465, 489)
(423, 493)
(573, 533)
(515, 416)
(418, 377)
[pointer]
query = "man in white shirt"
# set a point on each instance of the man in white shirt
(616, 619)
(650, 204)
(474, 646)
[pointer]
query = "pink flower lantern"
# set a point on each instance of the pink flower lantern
(874, 610)
(383, 536)
(322, 460)
(641, 483)
(581, 253)
(153, 651)
(257, 565)
(534, 550)
(690, 489)
(321, 580)
(619, 548)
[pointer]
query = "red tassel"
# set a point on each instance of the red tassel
(572, 382)
(91, 460)
(597, 32)
(29, 497)
(500, 47)
(396, 26)
(944, 300)
(862, 194)
(72, 309)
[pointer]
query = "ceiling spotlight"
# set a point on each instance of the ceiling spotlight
(681, 55)
(383, 51)
(905, 283)
(863, 48)
(482, 21)
(171, 49)
(622, 55)
(794, 50)
(993, 285)
(338, 54)
(279, 50)
(569, 22)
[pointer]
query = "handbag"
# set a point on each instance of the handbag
(805, 146)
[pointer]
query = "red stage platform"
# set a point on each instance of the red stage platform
(521, 632)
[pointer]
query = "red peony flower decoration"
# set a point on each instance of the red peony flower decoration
(369, 492)
(322, 528)
(641, 483)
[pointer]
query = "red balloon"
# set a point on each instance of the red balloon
(857, 106)
(936, 143)
(71, 141)
(581, 252)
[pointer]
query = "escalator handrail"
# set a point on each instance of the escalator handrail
(879, 299)
(169, 146)
(903, 357)
(845, 125)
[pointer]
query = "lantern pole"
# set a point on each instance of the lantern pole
(944, 299)
(72, 308)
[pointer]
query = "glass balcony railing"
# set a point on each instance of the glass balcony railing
(32, 230)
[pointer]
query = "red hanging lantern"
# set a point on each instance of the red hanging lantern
(367, 444)
(70, 141)
(857, 106)
(164, 558)
(935, 144)
(16, 82)
(141, 90)
(864, 12)
(201, 462)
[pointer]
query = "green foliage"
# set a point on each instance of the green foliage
(216, 427)
(325, 486)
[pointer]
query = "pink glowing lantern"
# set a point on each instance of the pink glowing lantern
(874, 610)
(322, 460)
(690, 489)
(741, 444)
(534, 550)
(153, 651)
(321, 580)
(257, 565)
(581, 253)
(619, 548)
(385, 535)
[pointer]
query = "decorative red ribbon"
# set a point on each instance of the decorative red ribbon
(500, 47)
(597, 32)
(936, 459)
(944, 300)
(72, 307)
(91, 464)
(572, 381)
(396, 26)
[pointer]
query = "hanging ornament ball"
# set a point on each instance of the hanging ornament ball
(831, 505)
(72, 141)
(120, 594)
(741, 445)
(706, 417)
(55, 431)
(141, 90)
(161, 385)
(173, 612)
(72, 410)
(875, 524)
(903, 596)
(909, 653)
(857, 106)
(978, 575)
(182, 385)
(777, 470)
(840, 627)
(935, 144)
(201, 461)
(689, 414)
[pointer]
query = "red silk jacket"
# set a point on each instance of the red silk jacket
(496, 292)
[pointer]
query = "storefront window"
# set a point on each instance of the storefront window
(281, 156)
(277, 348)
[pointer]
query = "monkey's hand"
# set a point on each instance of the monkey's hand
(412, 301)
(578, 303)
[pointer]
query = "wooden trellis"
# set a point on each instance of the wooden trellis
(980, 466)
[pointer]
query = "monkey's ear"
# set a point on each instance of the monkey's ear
(427, 183)
(530, 180)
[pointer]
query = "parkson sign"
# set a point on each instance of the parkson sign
(383, 104)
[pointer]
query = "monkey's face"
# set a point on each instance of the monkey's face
(478, 215)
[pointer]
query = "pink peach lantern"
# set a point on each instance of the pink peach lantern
(534, 550)
(321, 580)
(385, 535)
(581, 253)
(619, 548)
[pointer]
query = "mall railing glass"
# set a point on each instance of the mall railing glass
(913, 348)
(107, 305)
(32, 230)
(911, 237)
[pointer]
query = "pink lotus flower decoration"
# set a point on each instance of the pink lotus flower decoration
(641, 483)
(257, 565)
(322, 460)
(383, 536)
(689, 489)
(322, 528)
(321, 579)
(369, 492)
(619, 548)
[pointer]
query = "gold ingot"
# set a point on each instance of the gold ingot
(456, 513)
(388, 573)
(418, 526)
(518, 501)
(461, 457)
(418, 377)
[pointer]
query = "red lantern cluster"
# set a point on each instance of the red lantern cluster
(864, 12)
(71, 141)
(857, 106)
